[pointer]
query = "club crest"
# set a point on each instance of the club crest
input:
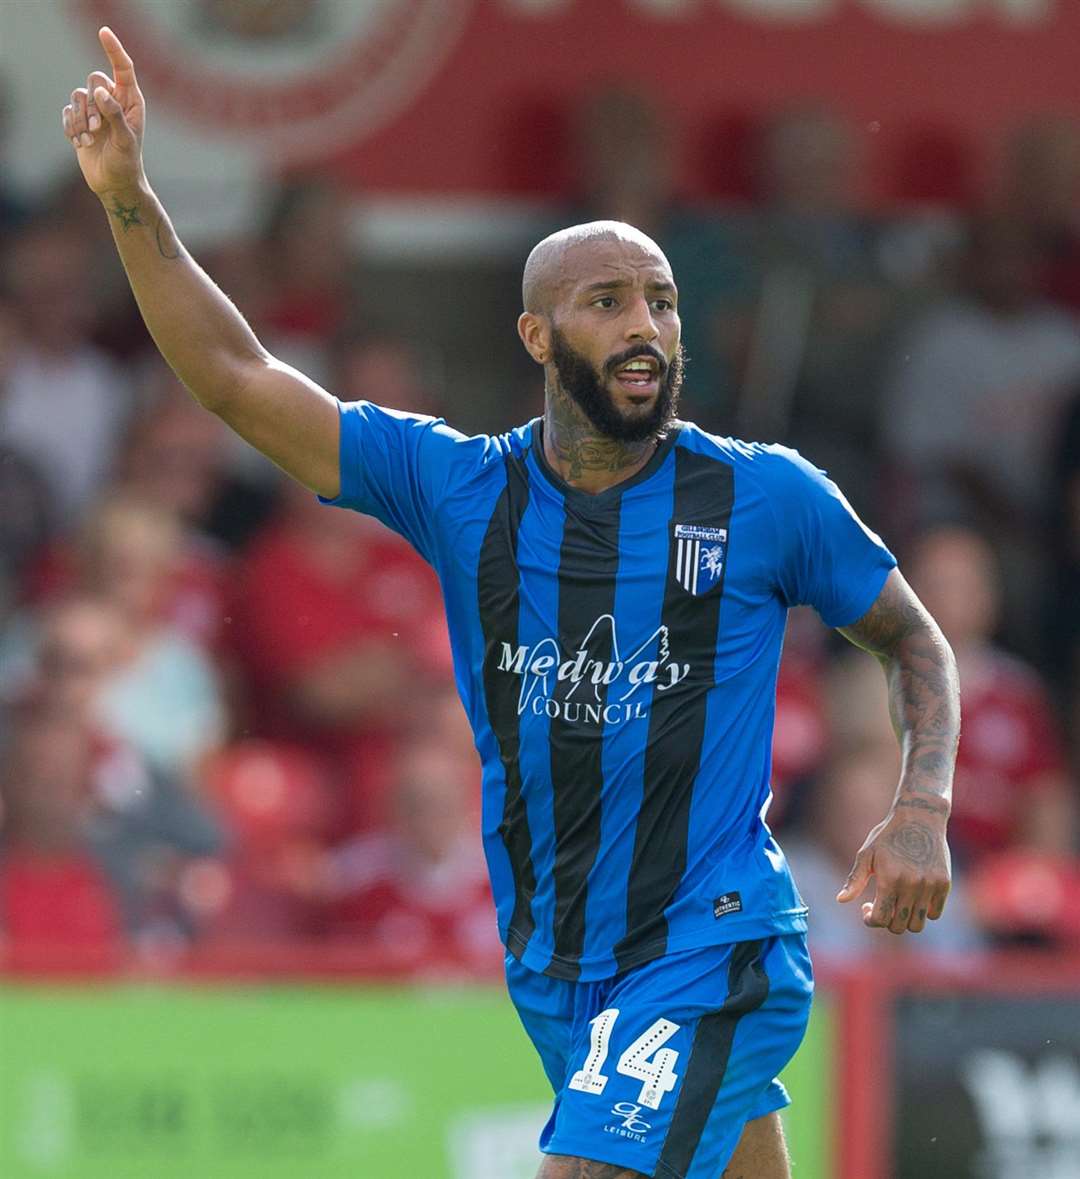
(699, 557)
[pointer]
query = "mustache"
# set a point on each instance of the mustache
(616, 362)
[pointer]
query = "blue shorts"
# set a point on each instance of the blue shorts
(658, 1069)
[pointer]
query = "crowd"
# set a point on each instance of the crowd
(227, 713)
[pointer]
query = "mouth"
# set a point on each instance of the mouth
(640, 377)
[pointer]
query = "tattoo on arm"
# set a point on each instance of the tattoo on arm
(937, 806)
(127, 215)
(168, 243)
(924, 694)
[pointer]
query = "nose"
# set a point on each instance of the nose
(640, 324)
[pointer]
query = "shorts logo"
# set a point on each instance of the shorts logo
(630, 1123)
(699, 557)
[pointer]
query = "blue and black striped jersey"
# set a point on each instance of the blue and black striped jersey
(617, 657)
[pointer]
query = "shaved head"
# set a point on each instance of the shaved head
(548, 267)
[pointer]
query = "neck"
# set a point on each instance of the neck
(580, 454)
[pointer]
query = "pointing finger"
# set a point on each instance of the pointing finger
(123, 69)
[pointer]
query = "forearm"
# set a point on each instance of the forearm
(201, 335)
(924, 702)
(924, 691)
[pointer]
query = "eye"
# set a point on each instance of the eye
(605, 301)
(663, 305)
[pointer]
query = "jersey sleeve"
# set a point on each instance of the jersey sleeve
(827, 557)
(397, 466)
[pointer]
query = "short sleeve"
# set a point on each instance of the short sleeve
(827, 557)
(396, 466)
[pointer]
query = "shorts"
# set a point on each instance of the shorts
(659, 1068)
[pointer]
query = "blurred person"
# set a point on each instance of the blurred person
(139, 822)
(337, 627)
(1012, 788)
(1040, 195)
(805, 333)
(386, 367)
(307, 263)
(12, 208)
(278, 803)
(968, 416)
(166, 699)
(850, 794)
(27, 519)
(419, 890)
(54, 897)
(1062, 629)
(62, 403)
(174, 458)
(624, 161)
(584, 559)
(800, 735)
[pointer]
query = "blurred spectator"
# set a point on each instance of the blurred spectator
(625, 160)
(973, 398)
(1062, 634)
(853, 795)
(53, 896)
(800, 734)
(308, 260)
(12, 209)
(278, 805)
(420, 888)
(805, 333)
(385, 369)
(165, 700)
(1040, 195)
(1012, 787)
(62, 404)
(338, 626)
(140, 823)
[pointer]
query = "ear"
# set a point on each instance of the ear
(535, 333)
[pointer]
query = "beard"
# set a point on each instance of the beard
(588, 390)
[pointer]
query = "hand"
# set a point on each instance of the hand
(105, 121)
(909, 859)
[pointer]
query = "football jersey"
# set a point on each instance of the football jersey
(617, 656)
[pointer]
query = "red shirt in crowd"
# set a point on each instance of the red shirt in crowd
(435, 915)
(290, 614)
(1009, 745)
(61, 902)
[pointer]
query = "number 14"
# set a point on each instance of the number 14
(657, 1075)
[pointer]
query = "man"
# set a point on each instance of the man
(616, 583)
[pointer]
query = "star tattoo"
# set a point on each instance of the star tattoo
(128, 215)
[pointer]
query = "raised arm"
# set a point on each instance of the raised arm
(201, 335)
(907, 853)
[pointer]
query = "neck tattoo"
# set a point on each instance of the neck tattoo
(579, 450)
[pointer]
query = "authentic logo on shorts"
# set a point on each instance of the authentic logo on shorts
(630, 1123)
(699, 556)
(729, 902)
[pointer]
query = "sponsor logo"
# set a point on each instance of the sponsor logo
(301, 76)
(630, 1123)
(728, 902)
(1028, 1111)
(596, 683)
(699, 557)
